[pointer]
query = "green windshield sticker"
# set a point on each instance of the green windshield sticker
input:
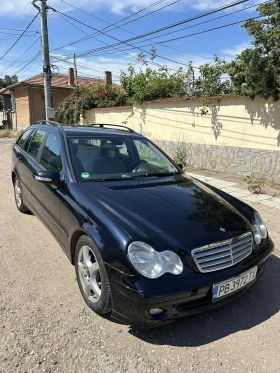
(85, 175)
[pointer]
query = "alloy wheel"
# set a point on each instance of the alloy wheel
(89, 274)
(18, 195)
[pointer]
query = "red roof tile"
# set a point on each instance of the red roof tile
(5, 91)
(58, 81)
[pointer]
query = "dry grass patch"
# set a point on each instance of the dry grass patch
(9, 133)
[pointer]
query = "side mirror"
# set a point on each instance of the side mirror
(180, 166)
(48, 177)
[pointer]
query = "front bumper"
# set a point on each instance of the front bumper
(131, 306)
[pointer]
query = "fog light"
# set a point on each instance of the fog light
(155, 311)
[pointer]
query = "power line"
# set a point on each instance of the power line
(168, 40)
(22, 12)
(109, 28)
(196, 24)
(123, 29)
(162, 28)
(21, 35)
(14, 29)
(205, 31)
(29, 63)
(209, 20)
(90, 67)
(14, 62)
(164, 58)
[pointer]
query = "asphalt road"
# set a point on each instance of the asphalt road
(46, 327)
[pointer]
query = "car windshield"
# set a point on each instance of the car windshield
(115, 158)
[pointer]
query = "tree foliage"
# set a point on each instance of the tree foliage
(211, 82)
(5, 82)
(256, 71)
(147, 83)
(8, 80)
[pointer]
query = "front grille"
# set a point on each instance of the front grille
(223, 254)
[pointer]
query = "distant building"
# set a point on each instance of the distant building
(24, 102)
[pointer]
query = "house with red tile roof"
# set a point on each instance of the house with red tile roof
(24, 102)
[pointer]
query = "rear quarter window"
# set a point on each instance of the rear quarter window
(35, 143)
(24, 137)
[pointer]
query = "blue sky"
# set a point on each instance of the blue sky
(98, 14)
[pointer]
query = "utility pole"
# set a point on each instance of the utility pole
(46, 58)
(75, 71)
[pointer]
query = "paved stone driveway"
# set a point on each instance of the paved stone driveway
(243, 194)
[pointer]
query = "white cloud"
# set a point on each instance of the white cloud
(230, 53)
(15, 8)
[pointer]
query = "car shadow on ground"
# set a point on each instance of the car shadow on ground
(255, 306)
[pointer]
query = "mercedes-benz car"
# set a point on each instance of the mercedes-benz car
(149, 243)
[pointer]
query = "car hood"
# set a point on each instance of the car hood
(169, 212)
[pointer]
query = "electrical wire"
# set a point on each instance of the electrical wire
(109, 28)
(227, 6)
(18, 39)
(210, 20)
(197, 24)
(153, 63)
(13, 29)
(165, 41)
(14, 62)
(123, 29)
(29, 63)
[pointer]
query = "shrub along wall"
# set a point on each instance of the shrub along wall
(236, 135)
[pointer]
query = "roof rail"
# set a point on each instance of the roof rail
(49, 122)
(101, 125)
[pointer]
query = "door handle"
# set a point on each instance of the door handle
(19, 157)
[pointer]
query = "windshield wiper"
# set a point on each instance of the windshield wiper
(131, 177)
(123, 177)
(156, 174)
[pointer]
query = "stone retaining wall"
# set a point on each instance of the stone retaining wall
(228, 159)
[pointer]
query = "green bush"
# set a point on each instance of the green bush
(87, 97)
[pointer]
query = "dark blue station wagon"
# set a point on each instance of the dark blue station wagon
(149, 243)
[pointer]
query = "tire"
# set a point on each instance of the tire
(92, 277)
(18, 196)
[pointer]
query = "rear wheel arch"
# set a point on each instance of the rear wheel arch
(13, 176)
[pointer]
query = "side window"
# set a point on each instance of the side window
(23, 138)
(50, 158)
(35, 143)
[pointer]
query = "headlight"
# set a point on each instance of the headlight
(259, 228)
(151, 263)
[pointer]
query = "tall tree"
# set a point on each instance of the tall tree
(8, 80)
(5, 82)
(256, 71)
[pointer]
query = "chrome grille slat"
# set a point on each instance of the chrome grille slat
(223, 254)
(210, 259)
(239, 248)
(212, 252)
(216, 263)
(240, 242)
(236, 257)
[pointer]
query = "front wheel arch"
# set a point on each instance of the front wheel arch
(73, 243)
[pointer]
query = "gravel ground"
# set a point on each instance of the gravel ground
(46, 327)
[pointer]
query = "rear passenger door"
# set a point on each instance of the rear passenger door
(48, 197)
(27, 166)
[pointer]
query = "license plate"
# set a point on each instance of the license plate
(233, 284)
